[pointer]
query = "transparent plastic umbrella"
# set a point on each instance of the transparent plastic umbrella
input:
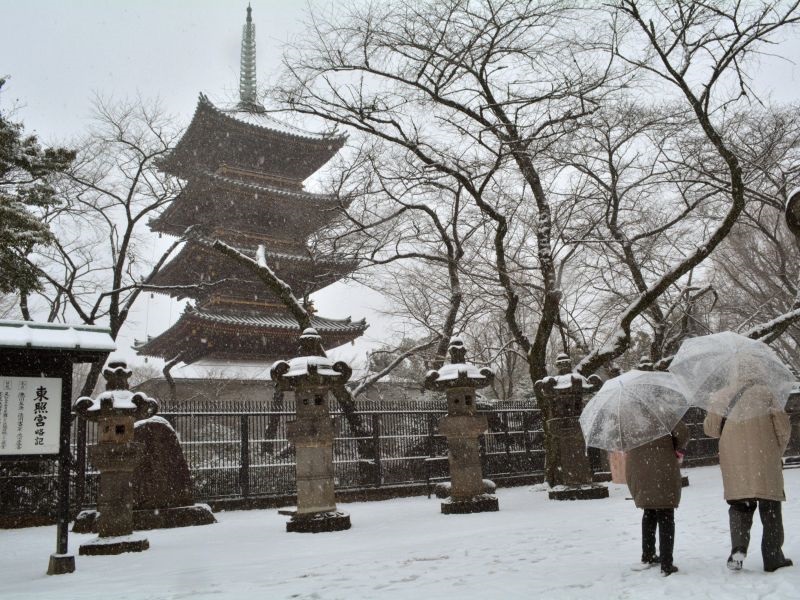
(635, 408)
(715, 368)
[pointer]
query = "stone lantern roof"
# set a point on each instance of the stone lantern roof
(311, 367)
(117, 398)
(567, 378)
(459, 372)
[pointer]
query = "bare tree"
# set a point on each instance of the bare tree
(696, 50)
(471, 92)
(100, 259)
(410, 235)
(756, 269)
(645, 208)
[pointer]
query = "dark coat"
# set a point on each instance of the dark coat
(653, 472)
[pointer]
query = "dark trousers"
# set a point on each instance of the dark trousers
(664, 520)
(741, 519)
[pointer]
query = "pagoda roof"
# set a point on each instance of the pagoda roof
(273, 190)
(282, 321)
(198, 262)
(204, 333)
(257, 116)
(212, 199)
(249, 139)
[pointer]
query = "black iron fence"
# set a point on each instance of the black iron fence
(241, 451)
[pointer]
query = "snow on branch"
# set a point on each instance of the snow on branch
(779, 324)
(765, 332)
(368, 382)
(275, 284)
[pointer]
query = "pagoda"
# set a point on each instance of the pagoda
(243, 172)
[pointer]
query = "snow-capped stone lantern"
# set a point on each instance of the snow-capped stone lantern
(645, 363)
(115, 455)
(462, 427)
(560, 398)
(311, 376)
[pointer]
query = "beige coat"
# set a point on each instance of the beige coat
(752, 443)
(653, 472)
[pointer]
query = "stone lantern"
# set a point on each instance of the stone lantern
(115, 455)
(645, 363)
(310, 377)
(462, 427)
(561, 399)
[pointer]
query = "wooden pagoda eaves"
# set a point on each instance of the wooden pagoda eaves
(249, 140)
(197, 262)
(224, 202)
(264, 336)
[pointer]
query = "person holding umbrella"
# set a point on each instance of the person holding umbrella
(753, 436)
(640, 413)
(744, 387)
(654, 479)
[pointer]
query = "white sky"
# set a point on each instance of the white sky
(59, 54)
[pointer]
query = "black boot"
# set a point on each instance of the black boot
(666, 540)
(736, 559)
(647, 561)
(772, 539)
(786, 562)
(667, 570)
(740, 515)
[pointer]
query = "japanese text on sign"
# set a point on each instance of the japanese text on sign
(30, 415)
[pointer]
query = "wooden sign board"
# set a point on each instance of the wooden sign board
(30, 415)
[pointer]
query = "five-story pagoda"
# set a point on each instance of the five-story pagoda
(244, 173)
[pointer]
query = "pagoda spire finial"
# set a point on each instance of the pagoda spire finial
(247, 73)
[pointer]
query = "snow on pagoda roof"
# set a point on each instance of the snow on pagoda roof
(272, 189)
(55, 336)
(277, 321)
(303, 256)
(264, 120)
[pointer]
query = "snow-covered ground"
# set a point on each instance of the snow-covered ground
(404, 548)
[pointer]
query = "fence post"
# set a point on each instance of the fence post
(376, 448)
(507, 436)
(484, 457)
(526, 419)
(431, 450)
(244, 469)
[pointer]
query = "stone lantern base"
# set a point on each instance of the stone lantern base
(578, 492)
(114, 545)
(319, 522)
(60, 564)
(162, 518)
(476, 504)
